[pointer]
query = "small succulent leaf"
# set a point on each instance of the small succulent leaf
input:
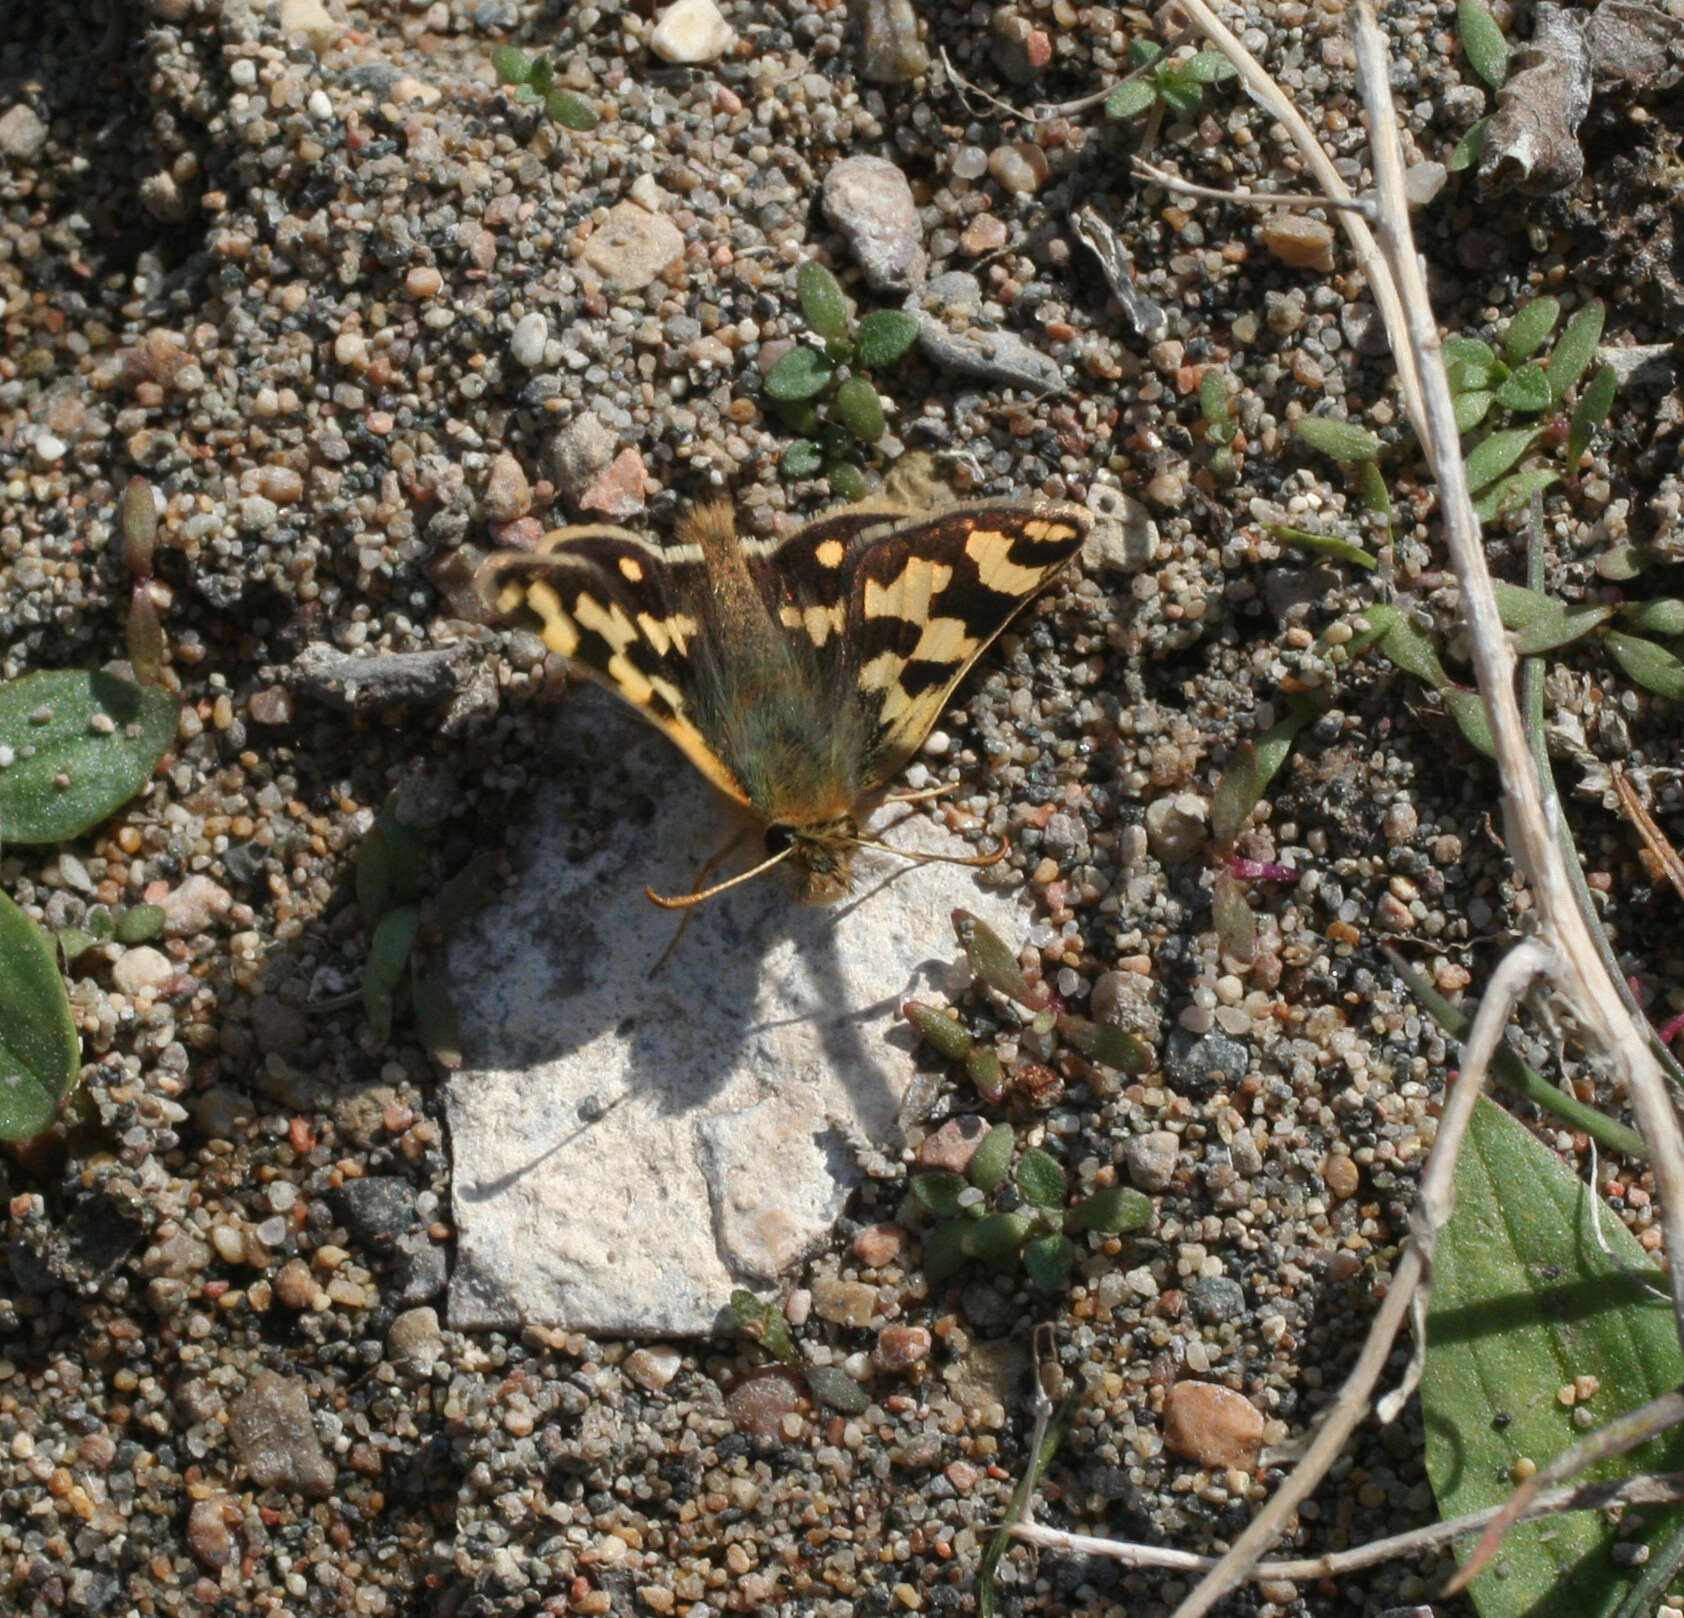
(982, 1067)
(102, 924)
(1041, 1179)
(388, 958)
(1110, 1047)
(1467, 150)
(1519, 606)
(998, 1238)
(1230, 915)
(435, 1016)
(1562, 629)
(1663, 616)
(1343, 440)
(510, 65)
(470, 889)
(859, 409)
(1247, 777)
(1047, 1261)
(1340, 549)
(525, 95)
(1408, 646)
(72, 943)
(884, 336)
(992, 1158)
(139, 923)
(1493, 455)
(1514, 490)
(1208, 67)
(1572, 355)
(944, 1250)
(1590, 413)
(802, 459)
(78, 746)
(143, 635)
(938, 1028)
(763, 1323)
(374, 875)
(1376, 497)
(1143, 50)
(802, 373)
(540, 75)
(1471, 408)
(1530, 328)
(847, 482)
(1527, 389)
(40, 1054)
(1468, 711)
(138, 518)
(1213, 404)
(1113, 1211)
(992, 962)
(823, 303)
(1469, 351)
(938, 1194)
(1179, 97)
(1652, 667)
(1130, 98)
(569, 110)
(1487, 50)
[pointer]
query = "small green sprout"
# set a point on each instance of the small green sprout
(1003, 1217)
(533, 81)
(1178, 86)
(1488, 53)
(824, 393)
(1220, 427)
(762, 1323)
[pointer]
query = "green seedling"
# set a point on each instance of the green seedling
(532, 79)
(1175, 86)
(1008, 1217)
(762, 1323)
(1220, 427)
(40, 1054)
(1487, 51)
(825, 393)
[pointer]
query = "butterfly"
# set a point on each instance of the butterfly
(799, 675)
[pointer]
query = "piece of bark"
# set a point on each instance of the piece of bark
(1532, 141)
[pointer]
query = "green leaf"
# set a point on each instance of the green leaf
(388, 958)
(510, 65)
(1572, 356)
(1473, 352)
(569, 110)
(983, 1069)
(822, 300)
(1208, 67)
(1110, 1047)
(998, 1238)
(525, 95)
(540, 76)
(1663, 616)
(388, 866)
(762, 1323)
(802, 459)
(1487, 49)
(1519, 606)
(139, 923)
(138, 517)
(938, 1194)
(72, 943)
(1529, 1294)
(1047, 1261)
(1590, 413)
(1143, 50)
(1131, 98)
(1565, 626)
(939, 1028)
(1530, 328)
(1343, 440)
(1231, 917)
(1466, 151)
(1527, 389)
(435, 1016)
(39, 1051)
(1493, 455)
(1179, 97)
(75, 748)
(1213, 405)
(802, 373)
(1621, 563)
(859, 409)
(839, 350)
(1409, 648)
(992, 961)
(1472, 408)
(1247, 778)
(884, 336)
(143, 635)
(1468, 711)
(1114, 1211)
(992, 1158)
(1514, 490)
(944, 1250)
(102, 924)
(847, 482)
(1340, 549)
(1041, 1179)
(1651, 666)
(1376, 497)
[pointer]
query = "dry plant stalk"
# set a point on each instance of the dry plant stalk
(1563, 952)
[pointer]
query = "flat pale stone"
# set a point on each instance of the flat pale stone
(691, 31)
(630, 1149)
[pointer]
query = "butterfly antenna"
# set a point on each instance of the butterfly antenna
(924, 796)
(979, 860)
(684, 901)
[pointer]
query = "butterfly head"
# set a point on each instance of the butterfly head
(822, 853)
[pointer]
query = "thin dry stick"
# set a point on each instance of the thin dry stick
(1509, 981)
(1275, 102)
(1248, 199)
(1661, 1489)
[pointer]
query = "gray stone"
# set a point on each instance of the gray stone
(270, 1426)
(1124, 538)
(946, 311)
(355, 684)
(870, 202)
(1150, 1159)
(632, 1146)
(1215, 1299)
(22, 132)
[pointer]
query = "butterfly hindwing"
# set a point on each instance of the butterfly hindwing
(627, 612)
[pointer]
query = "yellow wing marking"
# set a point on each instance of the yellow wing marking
(830, 553)
(909, 593)
(991, 551)
(817, 623)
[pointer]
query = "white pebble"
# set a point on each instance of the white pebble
(526, 344)
(691, 31)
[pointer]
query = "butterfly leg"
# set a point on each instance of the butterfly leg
(924, 796)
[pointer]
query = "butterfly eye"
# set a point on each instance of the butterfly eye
(779, 839)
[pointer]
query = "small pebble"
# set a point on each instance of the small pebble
(691, 31)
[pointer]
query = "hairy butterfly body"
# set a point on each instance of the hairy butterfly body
(798, 675)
